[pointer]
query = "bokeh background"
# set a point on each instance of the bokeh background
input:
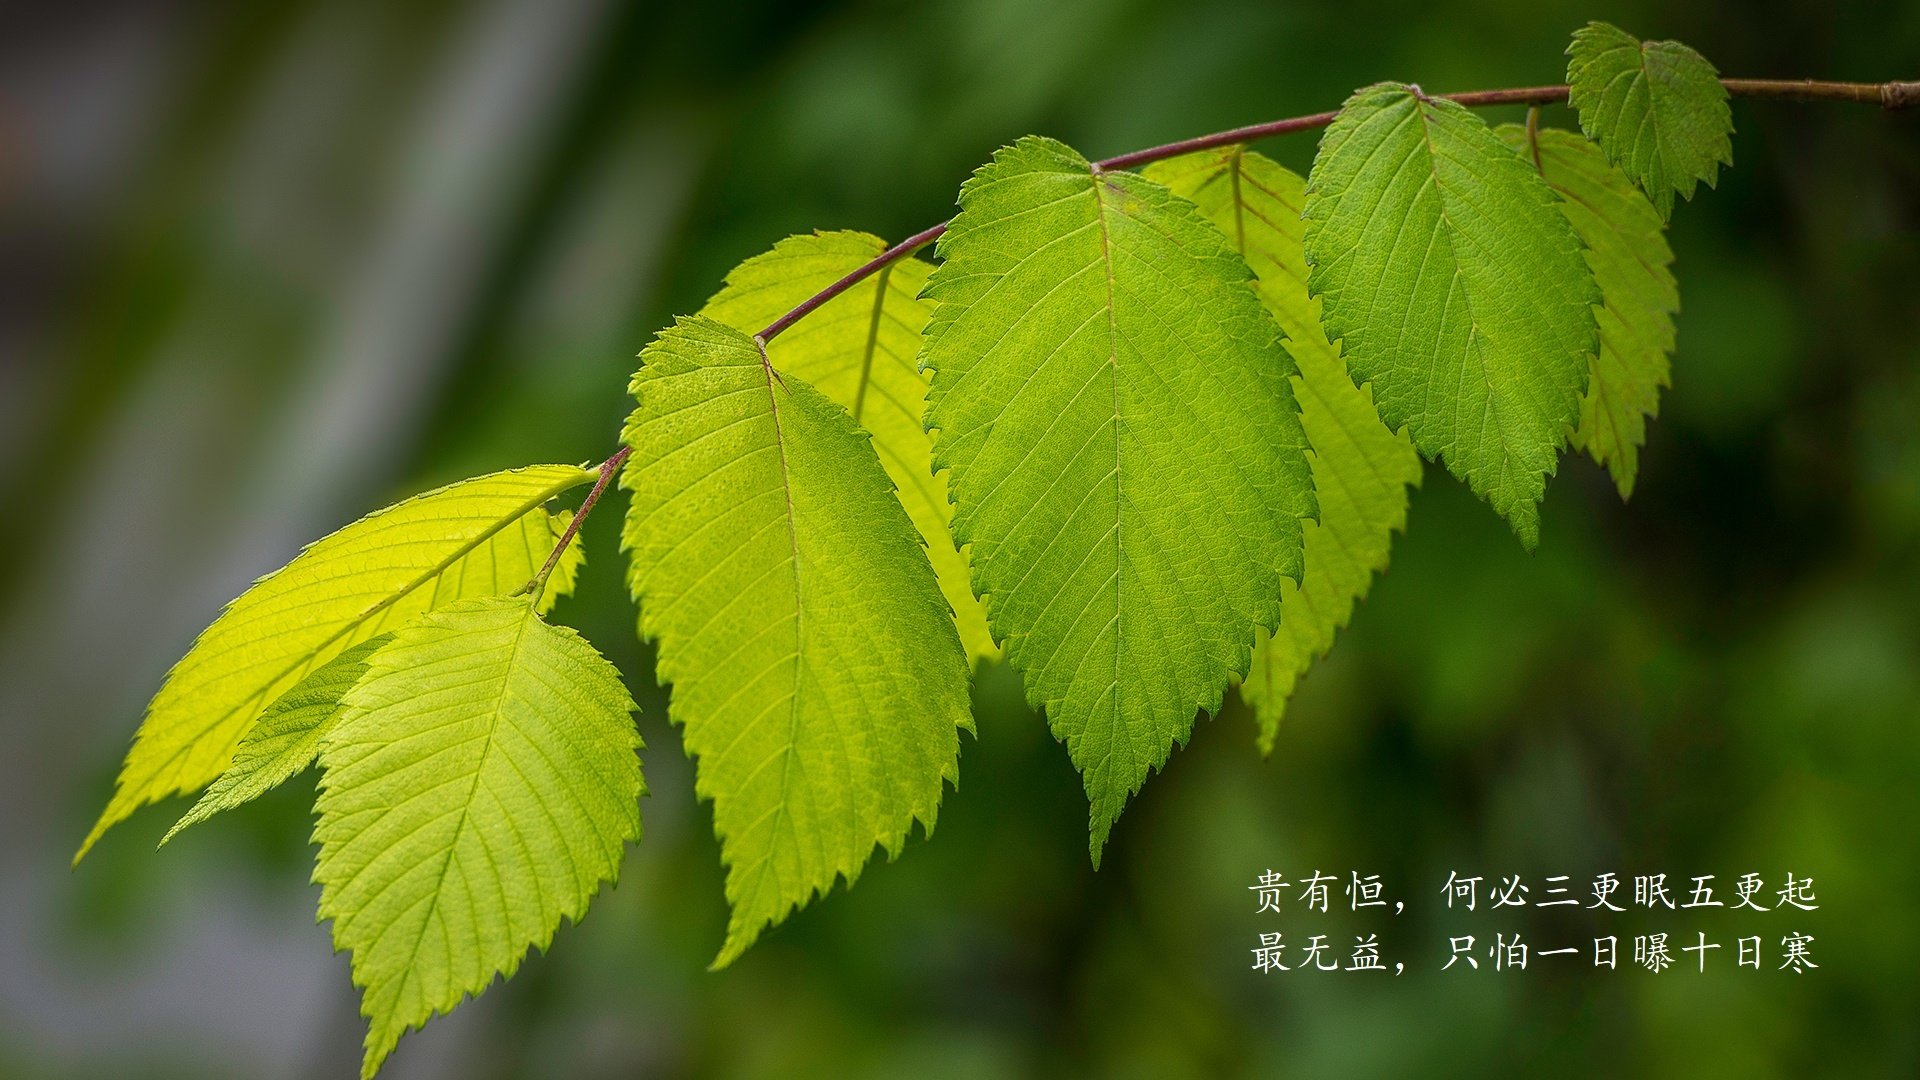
(265, 267)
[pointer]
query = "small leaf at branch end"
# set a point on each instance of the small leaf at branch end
(481, 537)
(286, 737)
(1627, 250)
(816, 670)
(1455, 286)
(1361, 470)
(479, 786)
(1127, 458)
(1657, 108)
(861, 349)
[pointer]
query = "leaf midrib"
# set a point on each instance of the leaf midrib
(1119, 502)
(466, 805)
(793, 541)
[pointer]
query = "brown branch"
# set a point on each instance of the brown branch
(607, 469)
(886, 258)
(1889, 95)
(1526, 95)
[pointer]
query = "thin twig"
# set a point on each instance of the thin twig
(1890, 95)
(1887, 95)
(886, 258)
(607, 468)
(1526, 95)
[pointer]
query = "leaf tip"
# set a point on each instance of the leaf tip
(1524, 518)
(1101, 827)
(376, 1055)
(108, 819)
(740, 938)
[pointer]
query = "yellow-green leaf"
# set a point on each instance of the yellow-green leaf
(285, 738)
(478, 537)
(815, 666)
(1455, 287)
(1627, 250)
(1361, 470)
(1127, 457)
(1656, 107)
(862, 350)
(478, 787)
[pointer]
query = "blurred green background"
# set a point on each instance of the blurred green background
(264, 267)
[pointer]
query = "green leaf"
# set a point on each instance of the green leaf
(1361, 470)
(1627, 250)
(1456, 287)
(860, 349)
(815, 666)
(479, 785)
(478, 537)
(285, 738)
(1126, 455)
(1657, 108)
